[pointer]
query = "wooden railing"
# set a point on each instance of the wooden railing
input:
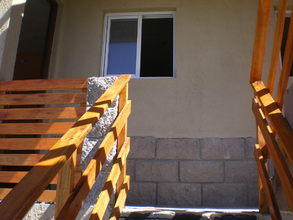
(274, 134)
(61, 160)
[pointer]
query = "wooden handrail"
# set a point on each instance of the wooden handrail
(25, 193)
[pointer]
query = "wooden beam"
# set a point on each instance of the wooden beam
(16, 176)
(262, 26)
(276, 155)
(23, 195)
(121, 198)
(282, 7)
(43, 84)
(41, 113)
(27, 143)
(105, 196)
(65, 185)
(269, 194)
(46, 196)
(19, 159)
(72, 206)
(42, 99)
(278, 123)
(286, 68)
(34, 128)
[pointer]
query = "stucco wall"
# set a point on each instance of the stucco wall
(4, 23)
(210, 95)
(13, 16)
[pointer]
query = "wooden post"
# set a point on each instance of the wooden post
(263, 206)
(262, 26)
(286, 69)
(277, 44)
(65, 183)
(123, 98)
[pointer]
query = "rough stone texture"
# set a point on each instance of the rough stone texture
(249, 147)
(185, 148)
(222, 148)
(142, 148)
(42, 211)
(179, 195)
(288, 105)
(253, 194)
(160, 171)
(225, 195)
(142, 194)
(240, 171)
(96, 87)
(201, 171)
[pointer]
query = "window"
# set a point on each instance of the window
(285, 35)
(141, 44)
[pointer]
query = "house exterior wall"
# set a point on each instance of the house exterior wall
(209, 96)
(10, 22)
(4, 23)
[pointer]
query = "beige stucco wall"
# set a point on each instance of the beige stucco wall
(5, 6)
(210, 95)
(13, 17)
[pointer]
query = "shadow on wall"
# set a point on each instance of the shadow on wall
(10, 24)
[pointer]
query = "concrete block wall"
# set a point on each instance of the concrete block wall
(184, 172)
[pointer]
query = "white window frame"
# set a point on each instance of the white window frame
(137, 15)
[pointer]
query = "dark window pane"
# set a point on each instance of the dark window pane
(122, 47)
(286, 29)
(157, 47)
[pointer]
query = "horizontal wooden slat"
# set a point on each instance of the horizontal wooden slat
(27, 143)
(24, 194)
(46, 196)
(121, 198)
(34, 128)
(19, 159)
(16, 176)
(105, 196)
(278, 122)
(41, 113)
(276, 155)
(43, 99)
(264, 176)
(43, 84)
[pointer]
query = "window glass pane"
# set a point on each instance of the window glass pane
(122, 47)
(157, 47)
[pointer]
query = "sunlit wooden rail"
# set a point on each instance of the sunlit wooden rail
(55, 160)
(274, 134)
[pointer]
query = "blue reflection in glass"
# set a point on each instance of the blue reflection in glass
(122, 47)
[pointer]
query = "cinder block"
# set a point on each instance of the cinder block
(240, 171)
(142, 148)
(151, 170)
(201, 171)
(253, 195)
(178, 148)
(142, 194)
(225, 195)
(222, 148)
(179, 195)
(249, 147)
(130, 166)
